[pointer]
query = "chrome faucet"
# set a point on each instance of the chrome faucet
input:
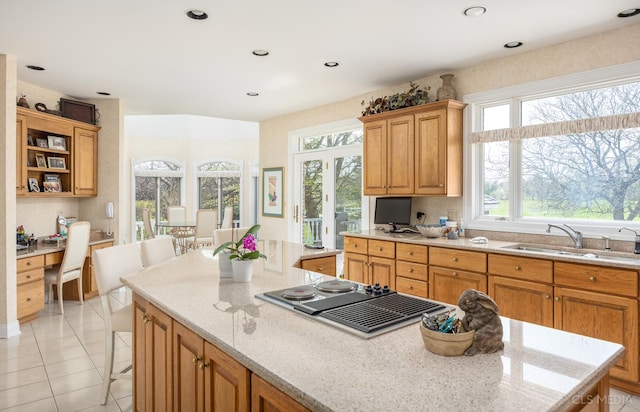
(637, 248)
(573, 234)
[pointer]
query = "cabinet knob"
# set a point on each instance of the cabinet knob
(517, 267)
(320, 269)
(196, 359)
(28, 276)
(28, 263)
(379, 248)
(410, 270)
(146, 318)
(203, 365)
(455, 259)
(592, 278)
(410, 287)
(455, 273)
(547, 296)
(28, 299)
(410, 253)
(557, 299)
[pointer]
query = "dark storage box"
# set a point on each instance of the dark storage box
(84, 112)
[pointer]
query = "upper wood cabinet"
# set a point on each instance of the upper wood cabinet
(414, 151)
(55, 149)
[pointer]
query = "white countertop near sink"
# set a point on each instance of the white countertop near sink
(327, 369)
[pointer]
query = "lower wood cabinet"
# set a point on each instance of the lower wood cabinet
(523, 300)
(370, 269)
(325, 265)
(30, 287)
(177, 370)
(446, 285)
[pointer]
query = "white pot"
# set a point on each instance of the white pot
(242, 270)
(224, 264)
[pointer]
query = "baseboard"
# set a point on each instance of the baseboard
(8, 330)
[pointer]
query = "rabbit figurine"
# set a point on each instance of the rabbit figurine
(481, 315)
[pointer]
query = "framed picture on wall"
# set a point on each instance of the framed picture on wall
(273, 192)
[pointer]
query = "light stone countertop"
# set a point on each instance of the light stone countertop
(631, 261)
(327, 369)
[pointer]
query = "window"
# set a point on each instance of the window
(158, 186)
(570, 155)
(219, 187)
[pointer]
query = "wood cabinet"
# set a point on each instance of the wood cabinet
(325, 265)
(152, 349)
(452, 271)
(267, 398)
(370, 261)
(414, 151)
(522, 288)
(30, 287)
(412, 272)
(58, 153)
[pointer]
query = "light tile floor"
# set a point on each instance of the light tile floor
(56, 363)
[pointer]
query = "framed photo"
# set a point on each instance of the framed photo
(42, 142)
(57, 142)
(52, 186)
(30, 142)
(50, 177)
(40, 162)
(273, 192)
(33, 185)
(56, 163)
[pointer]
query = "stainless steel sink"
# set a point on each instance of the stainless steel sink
(572, 253)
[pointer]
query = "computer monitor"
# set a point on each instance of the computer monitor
(393, 211)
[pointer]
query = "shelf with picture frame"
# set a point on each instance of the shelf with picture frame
(52, 145)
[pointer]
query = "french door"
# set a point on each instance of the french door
(328, 196)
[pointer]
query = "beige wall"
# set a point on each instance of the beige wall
(601, 50)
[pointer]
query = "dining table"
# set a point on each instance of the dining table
(180, 230)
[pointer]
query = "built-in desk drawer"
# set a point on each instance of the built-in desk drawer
(30, 298)
(55, 258)
(29, 276)
(29, 263)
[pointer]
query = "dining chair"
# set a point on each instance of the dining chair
(221, 236)
(148, 229)
(72, 262)
(157, 250)
(206, 223)
(179, 214)
(227, 218)
(110, 264)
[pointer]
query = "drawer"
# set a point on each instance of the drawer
(411, 287)
(518, 267)
(412, 270)
(458, 259)
(355, 244)
(597, 278)
(382, 248)
(412, 253)
(29, 276)
(53, 258)
(29, 263)
(99, 246)
(324, 265)
(30, 298)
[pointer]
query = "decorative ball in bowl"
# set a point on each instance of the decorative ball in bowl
(446, 344)
(431, 230)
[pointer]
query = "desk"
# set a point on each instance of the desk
(180, 231)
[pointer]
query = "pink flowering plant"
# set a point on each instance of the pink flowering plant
(245, 248)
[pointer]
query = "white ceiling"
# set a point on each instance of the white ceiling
(150, 55)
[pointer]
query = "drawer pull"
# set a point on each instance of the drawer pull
(410, 253)
(28, 299)
(28, 276)
(410, 270)
(455, 259)
(517, 267)
(557, 299)
(29, 263)
(455, 273)
(380, 248)
(410, 287)
(592, 278)
(320, 269)
(547, 296)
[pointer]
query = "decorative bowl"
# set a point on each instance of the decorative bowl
(446, 344)
(431, 230)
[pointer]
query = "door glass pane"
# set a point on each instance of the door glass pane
(312, 202)
(348, 196)
(169, 195)
(146, 190)
(231, 196)
(208, 197)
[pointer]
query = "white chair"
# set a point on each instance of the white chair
(221, 236)
(206, 223)
(72, 263)
(227, 218)
(148, 229)
(110, 264)
(157, 250)
(180, 234)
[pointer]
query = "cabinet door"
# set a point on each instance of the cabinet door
(85, 161)
(21, 155)
(267, 398)
(604, 317)
(431, 153)
(89, 285)
(375, 158)
(226, 382)
(153, 341)
(400, 155)
(446, 285)
(382, 271)
(188, 382)
(523, 300)
(356, 267)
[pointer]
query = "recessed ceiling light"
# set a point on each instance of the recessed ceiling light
(260, 53)
(37, 68)
(104, 93)
(475, 11)
(253, 94)
(197, 15)
(332, 64)
(629, 13)
(512, 44)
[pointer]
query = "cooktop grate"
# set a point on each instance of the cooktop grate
(375, 314)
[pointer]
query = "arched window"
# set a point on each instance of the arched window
(158, 186)
(219, 184)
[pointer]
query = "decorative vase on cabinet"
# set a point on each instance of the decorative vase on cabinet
(446, 91)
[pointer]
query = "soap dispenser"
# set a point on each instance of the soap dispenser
(636, 250)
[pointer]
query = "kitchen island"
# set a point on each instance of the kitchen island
(323, 368)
